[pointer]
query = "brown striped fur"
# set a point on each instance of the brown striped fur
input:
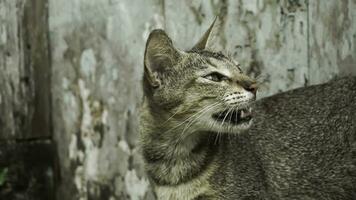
(299, 145)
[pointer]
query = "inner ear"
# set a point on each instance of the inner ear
(210, 37)
(160, 55)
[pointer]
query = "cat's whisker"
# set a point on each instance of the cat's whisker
(185, 120)
(228, 127)
(189, 118)
(182, 134)
(194, 120)
(203, 113)
(217, 135)
(229, 135)
(230, 109)
(213, 125)
(170, 117)
(227, 113)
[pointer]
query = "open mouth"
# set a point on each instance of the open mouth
(234, 117)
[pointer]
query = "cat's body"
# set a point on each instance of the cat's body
(302, 146)
(201, 141)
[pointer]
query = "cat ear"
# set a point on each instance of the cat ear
(209, 39)
(160, 54)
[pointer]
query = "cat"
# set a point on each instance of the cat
(203, 135)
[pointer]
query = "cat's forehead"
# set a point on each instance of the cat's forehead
(223, 64)
(213, 58)
(217, 60)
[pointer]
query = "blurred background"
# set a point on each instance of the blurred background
(70, 79)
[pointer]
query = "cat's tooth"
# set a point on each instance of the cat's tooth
(242, 114)
(250, 110)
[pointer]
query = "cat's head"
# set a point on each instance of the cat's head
(200, 89)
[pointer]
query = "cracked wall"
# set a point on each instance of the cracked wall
(26, 151)
(97, 49)
(97, 54)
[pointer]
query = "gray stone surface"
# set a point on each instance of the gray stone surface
(97, 49)
(332, 43)
(26, 151)
(270, 41)
(24, 70)
(16, 91)
(95, 63)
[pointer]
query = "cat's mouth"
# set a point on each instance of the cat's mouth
(235, 117)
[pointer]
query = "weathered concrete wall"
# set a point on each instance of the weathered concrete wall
(16, 83)
(97, 49)
(270, 41)
(332, 39)
(26, 151)
(287, 44)
(97, 52)
(24, 67)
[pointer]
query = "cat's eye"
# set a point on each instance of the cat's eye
(216, 77)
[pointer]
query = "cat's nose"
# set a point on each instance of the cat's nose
(251, 88)
(249, 85)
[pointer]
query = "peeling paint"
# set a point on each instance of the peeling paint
(73, 147)
(135, 186)
(86, 119)
(110, 28)
(65, 83)
(124, 146)
(115, 74)
(2, 11)
(331, 38)
(251, 6)
(3, 34)
(88, 63)
(105, 117)
(79, 181)
(91, 163)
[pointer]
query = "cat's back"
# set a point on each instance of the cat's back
(316, 100)
(306, 141)
(327, 109)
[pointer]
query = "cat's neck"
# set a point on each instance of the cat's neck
(172, 158)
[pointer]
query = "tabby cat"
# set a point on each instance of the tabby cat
(204, 136)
